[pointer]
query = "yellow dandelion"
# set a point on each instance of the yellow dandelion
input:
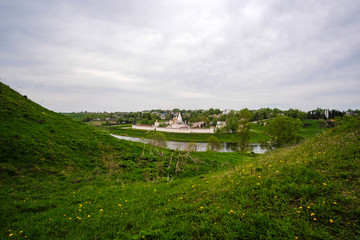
(243, 214)
(232, 181)
(315, 219)
(70, 218)
(201, 207)
(10, 234)
(101, 210)
(312, 214)
(142, 236)
(119, 205)
(275, 196)
(331, 221)
(79, 210)
(20, 232)
(300, 207)
(323, 202)
(298, 211)
(192, 186)
(324, 184)
(335, 202)
(259, 176)
(277, 171)
(154, 190)
(89, 216)
(125, 200)
(169, 200)
(258, 184)
(308, 207)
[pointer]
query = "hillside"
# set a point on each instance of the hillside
(100, 188)
(36, 141)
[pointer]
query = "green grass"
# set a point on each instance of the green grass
(309, 191)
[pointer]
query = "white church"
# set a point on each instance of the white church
(175, 125)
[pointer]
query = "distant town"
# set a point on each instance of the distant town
(208, 121)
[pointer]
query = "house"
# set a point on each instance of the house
(198, 125)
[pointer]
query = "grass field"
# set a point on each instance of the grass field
(71, 181)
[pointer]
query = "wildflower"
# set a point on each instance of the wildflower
(324, 184)
(119, 205)
(323, 202)
(20, 232)
(180, 197)
(154, 190)
(275, 197)
(277, 171)
(259, 176)
(142, 236)
(335, 202)
(308, 207)
(331, 221)
(101, 210)
(10, 234)
(89, 216)
(315, 219)
(192, 186)
(298, 211)
(79, 210)
(258, 184)
(70, 218)
(243, 214)
(232, 181)
(300, 207)
(312, 214)
(201, 207)
(169, 200)
(125, 200)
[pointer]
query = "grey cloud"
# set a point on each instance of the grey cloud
(190, 54)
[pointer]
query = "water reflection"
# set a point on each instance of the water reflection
(200, 146)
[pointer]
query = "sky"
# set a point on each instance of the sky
(119, 55)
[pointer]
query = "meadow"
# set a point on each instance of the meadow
(62, 179)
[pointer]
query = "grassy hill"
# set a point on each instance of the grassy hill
(36, 141)
(310, 191)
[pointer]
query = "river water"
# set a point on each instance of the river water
(201, 146)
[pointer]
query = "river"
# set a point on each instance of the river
(201, 146)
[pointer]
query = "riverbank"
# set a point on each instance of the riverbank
(309, 129)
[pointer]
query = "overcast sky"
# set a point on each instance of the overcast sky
(119, 55)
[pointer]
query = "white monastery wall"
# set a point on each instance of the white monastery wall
(151, 128)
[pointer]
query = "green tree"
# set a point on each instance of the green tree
(158, 139)
(283, 131)
(213, 144)
(242, 136)
(232, 123)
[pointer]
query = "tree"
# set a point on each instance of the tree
(283, 131)
(243, 133)
(157, 139)
(213, 144)
(232, 123)
(191, 147)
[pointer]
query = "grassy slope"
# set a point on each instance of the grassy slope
(310, 191)
(37, 141)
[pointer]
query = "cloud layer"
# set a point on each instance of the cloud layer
(135, 55)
